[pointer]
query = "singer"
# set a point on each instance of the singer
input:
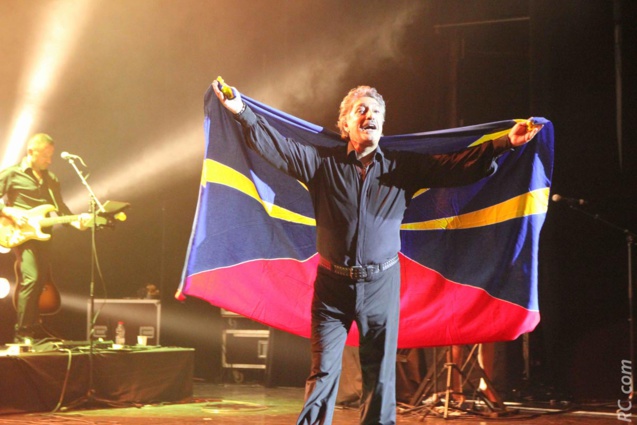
(360, 194)
(23, 187)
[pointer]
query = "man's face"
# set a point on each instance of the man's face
(41, 157)
(365, 122)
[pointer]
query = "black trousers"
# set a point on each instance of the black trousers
(33, 269)
(374, 306)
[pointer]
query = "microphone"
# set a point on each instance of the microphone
(227, 91)
(570, 201)
(67, 156)
(70, 158)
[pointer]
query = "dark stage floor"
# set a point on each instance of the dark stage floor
(254, 404)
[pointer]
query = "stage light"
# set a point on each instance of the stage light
(5, 288)
(57, 32)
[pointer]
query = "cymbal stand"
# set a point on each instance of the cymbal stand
(496, 407)
(429, 385)
(430, 382)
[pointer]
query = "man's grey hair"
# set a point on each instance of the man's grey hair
(348, 101)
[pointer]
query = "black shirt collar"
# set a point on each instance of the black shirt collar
(351, 153)
(25, 167)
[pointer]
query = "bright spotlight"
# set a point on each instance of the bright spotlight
(58, 33)
(5, 288)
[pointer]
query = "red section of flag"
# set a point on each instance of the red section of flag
(434, 310)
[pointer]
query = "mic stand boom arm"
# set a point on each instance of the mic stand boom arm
(631, 237)
(86, 185)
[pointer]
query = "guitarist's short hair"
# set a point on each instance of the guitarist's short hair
(38, 140)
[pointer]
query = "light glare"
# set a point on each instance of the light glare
(5, 288)
(59, 32)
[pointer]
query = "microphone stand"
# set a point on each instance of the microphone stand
(94, 199)
(90, 398)
(631, 237)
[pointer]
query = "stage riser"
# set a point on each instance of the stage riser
(33, 382)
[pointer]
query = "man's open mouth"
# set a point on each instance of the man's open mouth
(369, 126)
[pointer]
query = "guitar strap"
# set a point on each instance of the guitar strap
(55, 204)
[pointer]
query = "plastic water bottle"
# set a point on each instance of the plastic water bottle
(120, 334)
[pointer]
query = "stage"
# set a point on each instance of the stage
(154, 384)
(58, 375)
(241, 404)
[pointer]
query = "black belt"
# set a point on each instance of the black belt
(358, 273)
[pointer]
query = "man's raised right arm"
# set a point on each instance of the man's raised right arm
(298, 160)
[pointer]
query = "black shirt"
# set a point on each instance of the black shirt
(358, 219)
(21, 189)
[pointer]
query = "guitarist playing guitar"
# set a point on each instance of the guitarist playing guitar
(24, 187)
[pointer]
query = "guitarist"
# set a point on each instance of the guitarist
(24, 186)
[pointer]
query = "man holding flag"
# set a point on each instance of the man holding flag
(359, 194)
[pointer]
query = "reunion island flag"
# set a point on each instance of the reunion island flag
(469, 257)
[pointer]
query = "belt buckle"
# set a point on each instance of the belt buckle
(357, 273)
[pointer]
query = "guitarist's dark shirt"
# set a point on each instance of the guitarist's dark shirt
(21, 189)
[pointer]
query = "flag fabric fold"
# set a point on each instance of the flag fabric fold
(469, 257)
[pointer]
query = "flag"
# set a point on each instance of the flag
(469, 256)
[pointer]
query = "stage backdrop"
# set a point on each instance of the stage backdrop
(468, 258)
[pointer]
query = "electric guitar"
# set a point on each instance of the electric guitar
(49, 302)
(12, 234)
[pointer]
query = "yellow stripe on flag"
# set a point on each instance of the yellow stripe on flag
(534, 202)
(420, 192)
(215, 172)
(493, 136)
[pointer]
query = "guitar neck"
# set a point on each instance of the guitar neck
(51, 221)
